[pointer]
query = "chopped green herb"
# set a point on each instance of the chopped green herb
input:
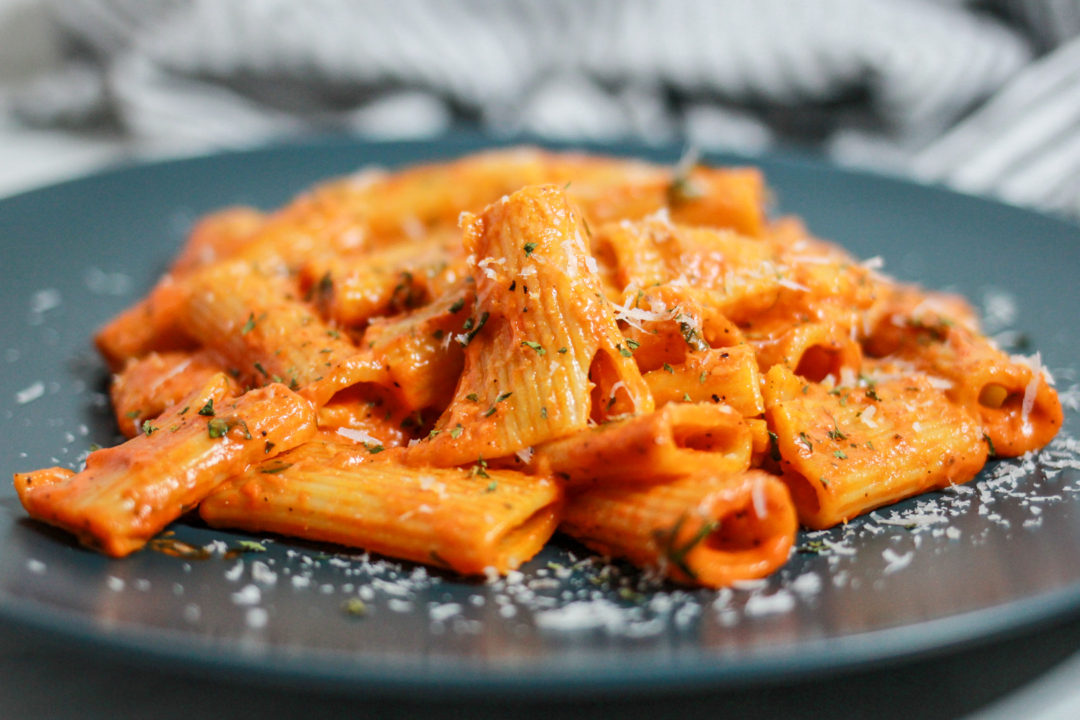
(686, 397)
(268, 447)
(249, 546)
(562, 351)
(990, 445)
(632, 343)
(774, 446)
(491, 410)
(472, 333)
(472, 396)
(455, 432)
(354, 607)
(702, 377)
(261, 369)
(148, 428)
(625, 352)
(690, 333)
(811, 547)
(534, 345)
(207, 410)
(840, 454)
(220, 426)
(667, 543)
(249, 325)
(458, 304)
(492, 487)
(529, 247)
(275, 468)
(543, 412)
(669, 369)
(374, 448)
(805, 440)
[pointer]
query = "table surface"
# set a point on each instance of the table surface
(1035, 675)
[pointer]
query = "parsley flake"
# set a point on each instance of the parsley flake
(220, 427)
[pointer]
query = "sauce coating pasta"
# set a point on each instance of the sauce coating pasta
(450, 363)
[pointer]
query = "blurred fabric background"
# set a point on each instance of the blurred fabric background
(981, 95)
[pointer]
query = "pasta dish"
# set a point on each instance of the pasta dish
(449, 363)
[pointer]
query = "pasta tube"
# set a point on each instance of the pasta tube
(467, 520)
(417, 352)
(671, 442)
(151, 325)
(540, 311)
(1012, 398)
(130, 492)
(706, 529)
(354, 288)
(722, 375)
(150, 384)
(266, 335)
(849, 449)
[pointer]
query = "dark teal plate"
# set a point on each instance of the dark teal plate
(927, 575)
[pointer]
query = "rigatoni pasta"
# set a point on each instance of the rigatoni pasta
(449, 363)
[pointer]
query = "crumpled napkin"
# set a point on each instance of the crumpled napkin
(982, 96)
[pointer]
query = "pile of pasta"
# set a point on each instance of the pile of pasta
(449, 363)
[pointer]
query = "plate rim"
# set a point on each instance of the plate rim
(323, 668)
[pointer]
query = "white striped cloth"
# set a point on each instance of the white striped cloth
(984, 96)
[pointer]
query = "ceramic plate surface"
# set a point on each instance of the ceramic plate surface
(923, 576)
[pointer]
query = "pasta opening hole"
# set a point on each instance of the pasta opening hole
(819, 361)
(995, 396)
(738, 532)
(711, 439)
(606, 262)
(527, 538)
(608, 397)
